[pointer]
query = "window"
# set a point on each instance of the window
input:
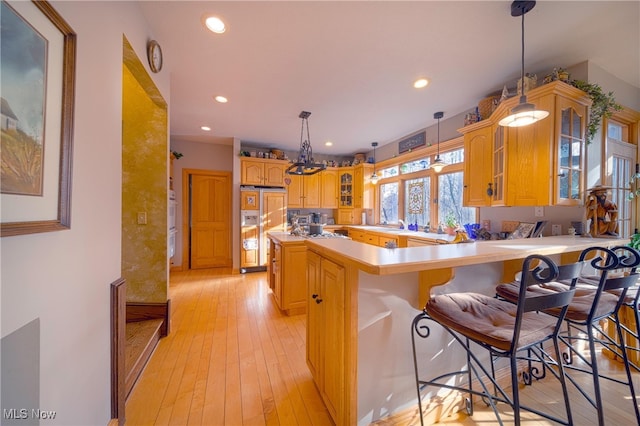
(453, 157)
(417, 201)
(450, 199)
(412, 192)
(389, 203)
(621, 155)
(415, 166)
(389, 172)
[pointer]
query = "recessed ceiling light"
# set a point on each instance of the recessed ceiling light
(206, 128)
(221, 99)
(214, 24)
(328, 143)
(420, 83)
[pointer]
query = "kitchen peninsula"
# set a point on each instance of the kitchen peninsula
(362, 299)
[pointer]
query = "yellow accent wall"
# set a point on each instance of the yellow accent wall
(144, 190)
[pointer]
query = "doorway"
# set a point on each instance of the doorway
(206, 203)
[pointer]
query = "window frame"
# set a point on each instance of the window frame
(630, 121)
(430, 152)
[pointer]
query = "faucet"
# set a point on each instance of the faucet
(401, 223)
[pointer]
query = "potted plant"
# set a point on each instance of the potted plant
(603, 106)
(450, 223)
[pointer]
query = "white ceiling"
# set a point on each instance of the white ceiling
(352, 63)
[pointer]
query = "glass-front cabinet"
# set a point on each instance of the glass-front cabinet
(346, 188)
(537, 165)
(571, 148)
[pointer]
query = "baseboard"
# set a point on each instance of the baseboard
(118, 340)
(146, 311)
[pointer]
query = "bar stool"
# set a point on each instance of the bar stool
(590, 305)
(505, 330)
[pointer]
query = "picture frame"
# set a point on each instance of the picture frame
(47, 208)
(522, 231)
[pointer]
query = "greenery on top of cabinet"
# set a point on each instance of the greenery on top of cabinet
(604, 104)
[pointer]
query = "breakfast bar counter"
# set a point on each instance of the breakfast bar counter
(362, 300)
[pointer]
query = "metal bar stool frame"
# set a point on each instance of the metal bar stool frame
(596, 335)
(524, 312)
(586, 320)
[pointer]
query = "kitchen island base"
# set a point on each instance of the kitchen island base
(358, 340)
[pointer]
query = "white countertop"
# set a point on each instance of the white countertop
(384, 261)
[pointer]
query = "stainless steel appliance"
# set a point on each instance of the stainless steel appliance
(262, 210)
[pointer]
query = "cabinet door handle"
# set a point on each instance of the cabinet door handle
(490, 190)
(318, 299)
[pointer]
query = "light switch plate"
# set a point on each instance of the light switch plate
(142, 218)
(556, 229)
(539, 211)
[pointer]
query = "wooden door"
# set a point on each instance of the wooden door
(332, 292)
(248, 253)
(294, 192)
(314, 317)
(477, 169)
(311, 196)
(251, 172)
(329, 189)
(274, 174)
(210, 232)
(274, 219)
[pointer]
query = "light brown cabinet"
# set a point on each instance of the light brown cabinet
(329, 189)
(356, 193)
(262, 172)
(304, 191)
(287, 275)
(536, 165)
(362, 186)
(326, 333)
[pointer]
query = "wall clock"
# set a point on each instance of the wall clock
(154, 55)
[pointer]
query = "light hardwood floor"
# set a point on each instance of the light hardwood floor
(233, 359)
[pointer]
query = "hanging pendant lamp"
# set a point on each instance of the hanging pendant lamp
(374, 177)
(438, 164)
(524, 113)
(305, 164)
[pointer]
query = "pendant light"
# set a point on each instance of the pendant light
(438, 164)
(374, 177)
(305, 164)
(524, 113)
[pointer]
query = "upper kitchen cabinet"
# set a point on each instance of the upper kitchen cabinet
(345, 179)
(362, 186)
(355, 193)
(304, 191)
(329, 189)
(536, 165)
(262, 172)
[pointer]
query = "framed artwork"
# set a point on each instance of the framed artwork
(37, 64)
(522, 231)
(412, 142)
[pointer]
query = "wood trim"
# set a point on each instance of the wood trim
(146, 311)
(118, 293)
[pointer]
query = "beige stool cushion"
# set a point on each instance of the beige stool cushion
(488, 320)
(580, 305)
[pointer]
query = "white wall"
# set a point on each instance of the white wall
(63, 277)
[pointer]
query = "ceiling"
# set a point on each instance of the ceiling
(352, 63)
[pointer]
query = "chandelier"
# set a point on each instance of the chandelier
(305, 164)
